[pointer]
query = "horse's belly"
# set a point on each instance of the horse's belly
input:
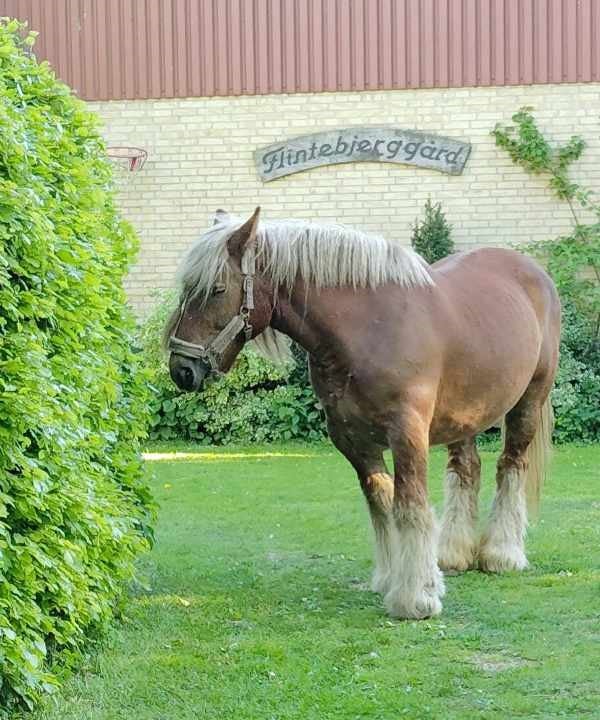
(472, 406)
(449, 430)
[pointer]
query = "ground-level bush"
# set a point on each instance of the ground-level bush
(260, 402)
(576, 394)
(73, 507)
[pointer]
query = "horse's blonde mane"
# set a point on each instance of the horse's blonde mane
(322, 255)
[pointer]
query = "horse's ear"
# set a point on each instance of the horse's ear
(242, 238)
(221, 216)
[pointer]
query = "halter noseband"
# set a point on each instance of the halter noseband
(213, 353)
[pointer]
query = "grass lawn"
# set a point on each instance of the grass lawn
(254, 604)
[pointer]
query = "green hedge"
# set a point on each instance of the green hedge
(256, 401)
(74, 511)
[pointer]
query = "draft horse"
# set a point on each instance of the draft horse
(402, 355)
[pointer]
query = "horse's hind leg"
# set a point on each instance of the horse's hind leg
(457, 547)
(503, 544)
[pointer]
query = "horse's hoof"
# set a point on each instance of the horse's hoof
(419, 607)
(457, 549)
(503, 558)
(456, 562)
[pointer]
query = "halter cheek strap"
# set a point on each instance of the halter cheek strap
(213, 353)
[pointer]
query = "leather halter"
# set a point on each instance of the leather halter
(213, 353)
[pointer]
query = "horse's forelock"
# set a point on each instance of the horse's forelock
(205, 263)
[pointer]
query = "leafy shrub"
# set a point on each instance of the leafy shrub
(256, 401)
(432, 236)
(573, 261)
(576, 395)
(73, 507)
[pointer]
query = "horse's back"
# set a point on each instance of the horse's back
(490, 262)
(496, 271)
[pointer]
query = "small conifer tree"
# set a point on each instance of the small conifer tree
(432, 236)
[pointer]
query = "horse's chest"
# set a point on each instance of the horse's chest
(337, 395)
(346, 406)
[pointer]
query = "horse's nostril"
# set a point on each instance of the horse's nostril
(187, 376)
(183, 375)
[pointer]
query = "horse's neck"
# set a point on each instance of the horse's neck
(306, 316)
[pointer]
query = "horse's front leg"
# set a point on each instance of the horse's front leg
(378, 488)
(416, 583)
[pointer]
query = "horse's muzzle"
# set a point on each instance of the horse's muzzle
(187, 373)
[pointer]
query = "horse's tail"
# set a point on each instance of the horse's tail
(538, 457)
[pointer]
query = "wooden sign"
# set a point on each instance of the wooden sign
(362, 144)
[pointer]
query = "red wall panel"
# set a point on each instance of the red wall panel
(111, 49)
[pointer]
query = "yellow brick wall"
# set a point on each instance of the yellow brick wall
(201, 158)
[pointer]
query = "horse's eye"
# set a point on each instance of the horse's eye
(218, 289)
